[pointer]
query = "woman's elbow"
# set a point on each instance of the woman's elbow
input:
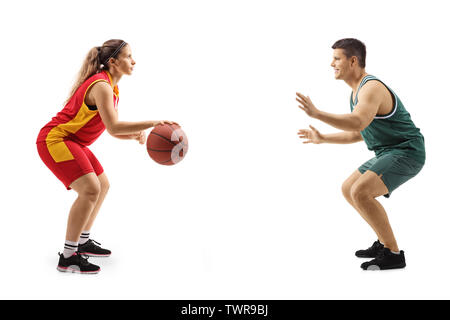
(112, 129)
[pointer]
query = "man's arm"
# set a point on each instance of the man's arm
(369, 101)
(314, 136)
(344, 137)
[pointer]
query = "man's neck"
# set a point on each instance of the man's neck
(355, 79)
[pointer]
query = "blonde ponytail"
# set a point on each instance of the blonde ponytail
(91, 66)
(96, 61)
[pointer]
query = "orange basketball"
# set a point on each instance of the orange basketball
(167, 144)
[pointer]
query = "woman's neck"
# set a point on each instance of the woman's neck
(115, 77)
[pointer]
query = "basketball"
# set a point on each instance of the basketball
(167, 144)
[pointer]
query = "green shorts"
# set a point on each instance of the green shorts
(395, 169)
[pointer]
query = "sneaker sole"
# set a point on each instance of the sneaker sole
(71, 270)
(93, 255)
(365, 256)
(377, 268)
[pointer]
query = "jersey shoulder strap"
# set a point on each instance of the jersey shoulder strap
(363, 82)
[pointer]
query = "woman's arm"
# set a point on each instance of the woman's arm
(103, 97)
(135, 136)
(126, 136)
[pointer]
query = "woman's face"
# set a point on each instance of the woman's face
(124, 62)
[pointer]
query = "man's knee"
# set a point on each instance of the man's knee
(346, 189)
(359, 193)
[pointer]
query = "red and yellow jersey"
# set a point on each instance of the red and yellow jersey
(77, 122)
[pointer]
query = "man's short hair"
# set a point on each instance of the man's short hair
(352, 47)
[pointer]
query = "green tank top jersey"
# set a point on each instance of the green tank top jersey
(392, 133)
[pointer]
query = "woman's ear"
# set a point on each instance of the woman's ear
(112, 61)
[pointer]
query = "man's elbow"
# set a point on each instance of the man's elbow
(362, 125)
(359, 124)
(357, 136)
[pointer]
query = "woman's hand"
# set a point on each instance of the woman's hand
(158, 122)
(141, 137)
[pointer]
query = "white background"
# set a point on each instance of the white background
(251, 212)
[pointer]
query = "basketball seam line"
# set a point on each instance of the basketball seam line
(174, 131)
(159, 150)
(163, 137)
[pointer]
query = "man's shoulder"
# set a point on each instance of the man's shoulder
(373, 87)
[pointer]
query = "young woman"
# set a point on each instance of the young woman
(63, 146)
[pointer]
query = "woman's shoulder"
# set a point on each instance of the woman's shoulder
(103, 75)
(101, 82)
(99, 79)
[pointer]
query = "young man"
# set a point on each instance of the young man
(379, 118)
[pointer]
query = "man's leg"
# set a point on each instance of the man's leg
(363, 193)
(346, 191)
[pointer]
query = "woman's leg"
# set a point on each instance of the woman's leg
(104, 187)
(88, 189)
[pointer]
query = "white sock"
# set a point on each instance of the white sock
(395, 252)
(70, 248)
(84, 237)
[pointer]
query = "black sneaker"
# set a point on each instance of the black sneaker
(386, 260)
(92, 249)
(76, 264)
(371, 252)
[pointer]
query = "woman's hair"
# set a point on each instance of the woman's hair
(96, 61)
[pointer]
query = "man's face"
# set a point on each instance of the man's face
(341, 64)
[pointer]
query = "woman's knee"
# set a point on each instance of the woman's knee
(88, 187)
(104, 183)
(91, 192)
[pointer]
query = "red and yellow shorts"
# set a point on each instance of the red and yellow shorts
(83, 162)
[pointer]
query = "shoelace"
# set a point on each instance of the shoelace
(380, 255)
(376, 245)
(83, 259)
(95, 242)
